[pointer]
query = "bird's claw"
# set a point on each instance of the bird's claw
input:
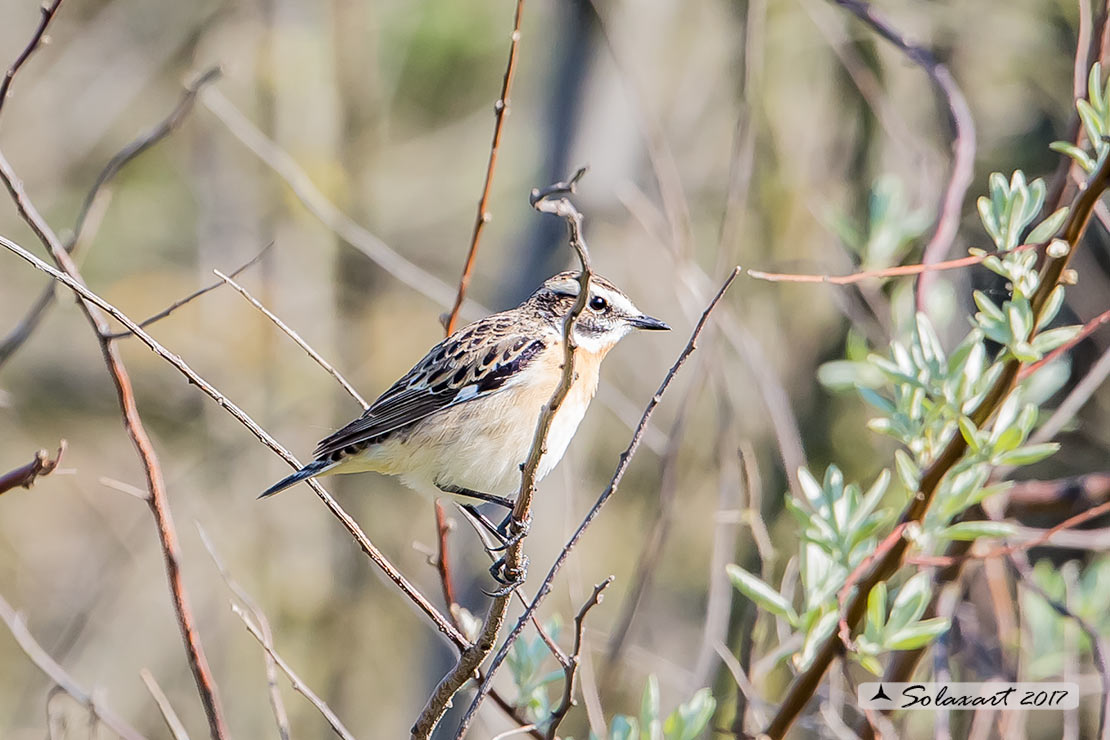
(509, 578)
(511, 532)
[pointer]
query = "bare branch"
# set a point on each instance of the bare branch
(441, 623)
(963, 146)
(38, 37)
(158, 503)
(614, 483)
(318, 205)
(173, 722)
(281, 717)
(571, 670)
(298, 685)
(296, 338)
(515, 564)
(23, 330)
(25, 475)
(500, 112)
(194, 295)
(58, 675)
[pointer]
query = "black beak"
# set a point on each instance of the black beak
(647, 322)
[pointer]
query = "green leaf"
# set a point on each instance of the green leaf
(908, 472)
(820, 631)
(649, 710)
(986, 214)
(1026, 455)
(917, 635)
(1046, 229)
(876, 612)
(758, 591)
(688, 721)
(910, 602)
(1071, 150)
(1049, 340)
(969, 433)
(969, 531)
(624, 728)
(1051, 306)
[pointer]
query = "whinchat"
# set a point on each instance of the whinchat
(462, 420)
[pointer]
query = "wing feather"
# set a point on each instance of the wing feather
(457, 370)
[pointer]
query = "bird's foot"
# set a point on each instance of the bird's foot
(511, 531)
(509, 577)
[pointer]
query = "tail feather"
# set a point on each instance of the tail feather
(308, 471)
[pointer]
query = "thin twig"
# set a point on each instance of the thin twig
(298, 685)
(25, 475)
(885, 272)
(571, 671)
(38, 37)
(1089, 328)
(614, 484)
(515, 564)
(58, 675)
(296, 338)
(443, 562)
(194, 295)
(998, 552)
(441, 622)
(35, 314)
(158, 503)
(1075, 400)
(280, 161)
(500, 112)
(281, 717)
(651, 550)
(963, 145)
(173, 722)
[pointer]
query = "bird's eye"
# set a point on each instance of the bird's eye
(598, 303)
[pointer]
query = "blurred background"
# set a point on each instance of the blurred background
(717, 133)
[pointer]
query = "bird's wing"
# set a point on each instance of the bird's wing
(457, 370)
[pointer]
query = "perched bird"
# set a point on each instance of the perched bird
(461, 421)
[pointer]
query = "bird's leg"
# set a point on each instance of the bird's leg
(468, 493)
(493, 529)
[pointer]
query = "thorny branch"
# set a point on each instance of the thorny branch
(24, 476)
(26, 326)
(805, 683)
(501, 112)
(963, 147)
(614, 483)
(571, 670)
(515, 565)
(441, 623)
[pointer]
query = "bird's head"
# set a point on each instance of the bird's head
(609, 314)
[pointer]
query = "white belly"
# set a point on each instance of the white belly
(480, 445)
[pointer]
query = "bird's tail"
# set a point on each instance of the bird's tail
(308, 471)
